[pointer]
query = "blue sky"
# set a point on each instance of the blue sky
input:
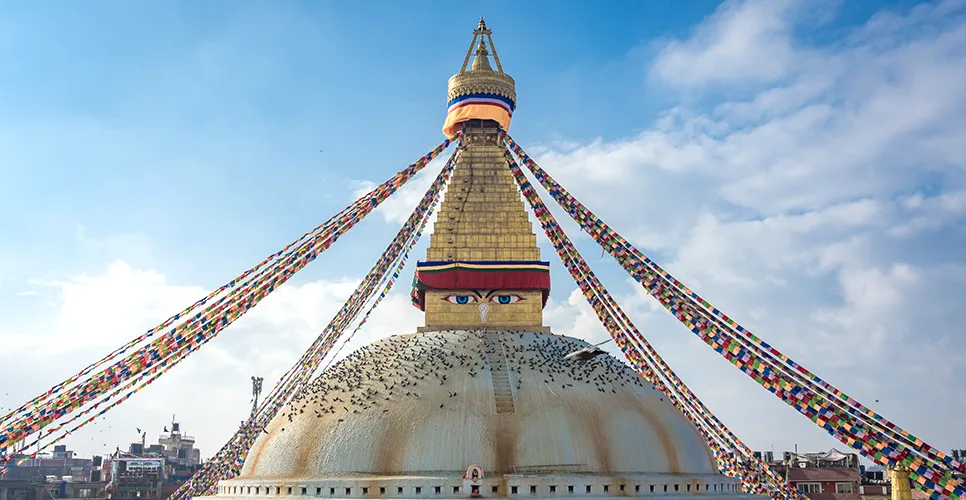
(799, 163)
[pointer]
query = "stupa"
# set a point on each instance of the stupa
(482, 401)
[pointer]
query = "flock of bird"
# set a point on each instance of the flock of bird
(422, 366)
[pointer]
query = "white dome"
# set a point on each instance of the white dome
(441, 401)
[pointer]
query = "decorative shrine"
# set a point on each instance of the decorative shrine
(483, 384)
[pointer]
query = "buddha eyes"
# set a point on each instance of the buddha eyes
(460, 299)
(469, 299)
(506, 299)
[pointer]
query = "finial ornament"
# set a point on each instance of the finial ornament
(480, 85)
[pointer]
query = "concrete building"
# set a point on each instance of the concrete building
(60, 463)
(830, 475)
(137, 477)
(179, 449)
(155, 471)
(51, 488)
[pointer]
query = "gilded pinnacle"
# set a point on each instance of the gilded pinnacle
(481, 29)
(481, 77)
(481, 49)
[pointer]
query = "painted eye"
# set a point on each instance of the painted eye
(460, 299)
(506, 299)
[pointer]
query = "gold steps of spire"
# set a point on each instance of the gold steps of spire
(483, 218)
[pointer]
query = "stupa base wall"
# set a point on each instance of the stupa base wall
(453, 485)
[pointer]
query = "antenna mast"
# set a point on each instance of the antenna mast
(256, 391)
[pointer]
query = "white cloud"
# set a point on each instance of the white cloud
(742, 42)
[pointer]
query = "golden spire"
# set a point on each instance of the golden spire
(481, 78)
(480, 81)
(482, 225)
(483, 265)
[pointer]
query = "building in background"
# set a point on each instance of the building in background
(179, 448)
(155, 471)
(60, 463)
(137, 477)
(57, 475)
(143, 472)
(830, 475)
(876, 483)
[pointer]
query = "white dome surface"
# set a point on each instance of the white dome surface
(442, 401)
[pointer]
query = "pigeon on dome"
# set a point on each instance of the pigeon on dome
(587, 353)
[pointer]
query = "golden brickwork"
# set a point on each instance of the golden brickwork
(525, 313)
(483, 218)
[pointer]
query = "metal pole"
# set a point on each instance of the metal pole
(256, 391)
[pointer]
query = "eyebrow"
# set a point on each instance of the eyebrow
(491, 292)
(478, 294)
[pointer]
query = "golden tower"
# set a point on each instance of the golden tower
(483, 267)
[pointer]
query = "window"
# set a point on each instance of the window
(289, 490)
(332, 491)
(606, 488)
(533, 490)
(456, 489)
(588, 488)
(622, 488)
(419, 489)
(553, 489)
(689, 487)
(652, 488)
(570, 489)
(495, 489)
(809, 487)
(305, 490)
(365, 491)
(382, 490)
(677, 487)
(843, 487)
(399, 490)
(513, 490)
(318, 491)
(665, 488)
(348, 491)
(437, 489)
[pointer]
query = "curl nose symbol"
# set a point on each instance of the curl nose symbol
(483, 310)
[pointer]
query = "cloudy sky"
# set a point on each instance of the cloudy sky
(800, 164)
